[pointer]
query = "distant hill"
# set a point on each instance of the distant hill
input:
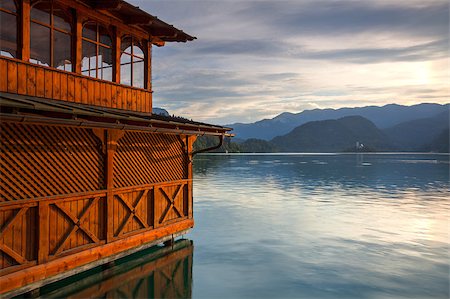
(383, 117)
(333, 136)
(440, 143)
(160, 111)
(416, 134)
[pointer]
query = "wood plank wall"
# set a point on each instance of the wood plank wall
(53, 202)
(25, 78)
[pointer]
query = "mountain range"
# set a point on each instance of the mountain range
(383, 117)
(423, 127)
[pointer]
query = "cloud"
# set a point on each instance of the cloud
(256, 59)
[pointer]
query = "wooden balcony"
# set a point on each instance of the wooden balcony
(19, 77)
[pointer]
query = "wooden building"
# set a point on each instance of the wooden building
(88, 173)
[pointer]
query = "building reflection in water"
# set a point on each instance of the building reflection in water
(158, 272)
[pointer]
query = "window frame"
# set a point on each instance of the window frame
(138, 43)
(98, 44)
(52, 28)
(17, 15)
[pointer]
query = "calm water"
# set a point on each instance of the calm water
(321, 226)
(299, 226)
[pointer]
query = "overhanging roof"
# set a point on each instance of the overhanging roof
(133, 15)
(33, 110)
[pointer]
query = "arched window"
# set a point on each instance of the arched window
(50, 35)
(8, 28)
(131, 63)
(97, 59)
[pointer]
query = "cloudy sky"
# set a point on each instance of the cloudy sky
(257, 59)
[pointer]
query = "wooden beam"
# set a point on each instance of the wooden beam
(78, 43)
(24, 42)
(106, 4)
(117, 46)
(148, 68)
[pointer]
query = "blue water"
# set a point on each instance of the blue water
(321, 226)
(298, 226)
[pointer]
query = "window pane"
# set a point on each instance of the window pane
(8, 5)
(89, 59)
(8, 34)
(138, 52)
(104, 36)
(40, 44)
(126, 45)
(41, 12)
(61, 50)
(125, 69)
(61, 19)
(105, 63)
(90, 31)
(138, 74)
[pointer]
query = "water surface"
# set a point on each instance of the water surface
(321, 226)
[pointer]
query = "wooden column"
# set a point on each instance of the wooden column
(24, 42)
(78, 43)
(43, 232)
(109, 139)
(148, 65)
(112, 137)
(116, 48)
(190, 147)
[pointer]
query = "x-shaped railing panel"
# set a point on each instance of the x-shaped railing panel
(131, 212)
(171, 203)
(6, 249)
(78, 224)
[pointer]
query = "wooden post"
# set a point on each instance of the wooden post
(78, 43)
(43, 232)
(148, 66)
(24, 42)
(112, 137)
(117, 46)
(190, 146)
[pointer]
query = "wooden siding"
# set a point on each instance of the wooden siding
(55, 200)
(25, 78)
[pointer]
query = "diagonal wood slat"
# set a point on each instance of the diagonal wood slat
(17, 257)
(39, 161)
(140, 157)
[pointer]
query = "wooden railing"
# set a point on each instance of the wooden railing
(19, 77)
(37, 231)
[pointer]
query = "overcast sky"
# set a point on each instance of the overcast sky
(257, 59)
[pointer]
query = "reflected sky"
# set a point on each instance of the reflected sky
(321, 226)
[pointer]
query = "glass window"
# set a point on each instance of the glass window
(131, 63)
(8, 28)
(97, 59)
(50, 35)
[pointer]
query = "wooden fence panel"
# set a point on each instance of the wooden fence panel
(18, 237)
(170, 203)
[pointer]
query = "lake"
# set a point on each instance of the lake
(304, 226)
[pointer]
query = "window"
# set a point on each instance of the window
(8, 28)
(131, 63)
(97, 59)
(50, 35)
